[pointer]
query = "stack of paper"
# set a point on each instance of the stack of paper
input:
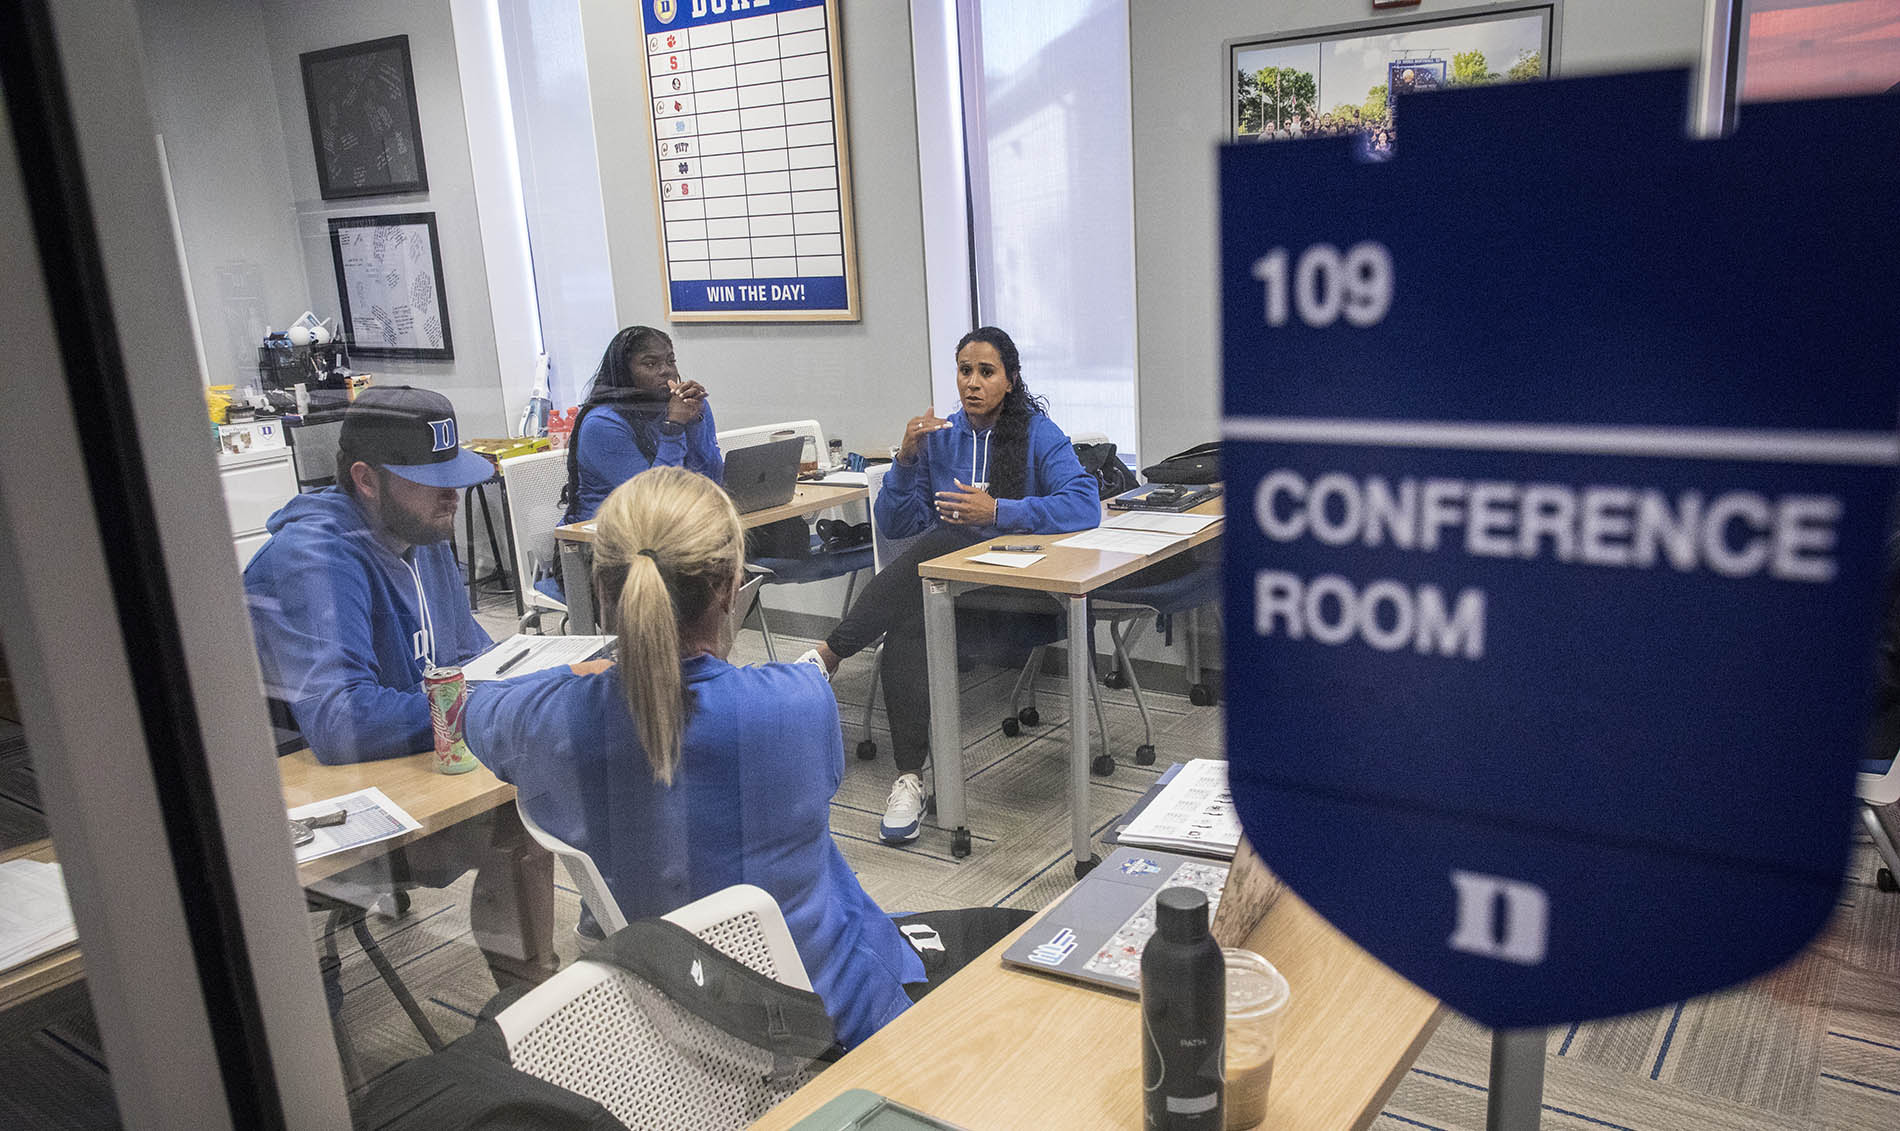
(1163, 522)
(34, 916)
(1121, 541)
(1193, 813)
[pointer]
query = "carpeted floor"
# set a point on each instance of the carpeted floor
(1813, 1045)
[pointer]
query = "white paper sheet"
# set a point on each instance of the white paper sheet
(372, 817)
(1123, 541)
(35, 918)
(1194, 812)
(843, 479)
(1014, 561)
(1165, 523)
(537, 653)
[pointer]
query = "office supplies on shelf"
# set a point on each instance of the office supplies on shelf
(1193, 812)
(371, 816)
(35, 918)
(523, 655)
(1096, 932)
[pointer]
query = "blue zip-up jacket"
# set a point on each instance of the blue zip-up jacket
(346, 627)
(1058, 497)
(751, 803)
(609, 456)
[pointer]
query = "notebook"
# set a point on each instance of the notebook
(763, 475)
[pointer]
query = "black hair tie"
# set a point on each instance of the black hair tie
(652, 554)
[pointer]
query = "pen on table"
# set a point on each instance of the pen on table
(518, 657)
(1029, 549)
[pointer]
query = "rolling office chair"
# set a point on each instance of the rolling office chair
(1878, 786)
(1157, 592)
(600, 1031)
(534, 510)
(313, 452)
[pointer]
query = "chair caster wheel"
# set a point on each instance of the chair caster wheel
(1084, 867)
(1102, 765)
(1201, 695)
(1029, 717)
(1144, 755)
(960, 843)
(930, 805)
(402, 903)
(1884, 880)
(867, 750)
(1115, 680)
(1011, 727)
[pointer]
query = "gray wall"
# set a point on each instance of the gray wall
(215, 103)
(292, 27)
(1180, 100)
(861, 380)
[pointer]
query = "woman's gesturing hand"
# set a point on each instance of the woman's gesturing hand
(967, 506)
(916, 430)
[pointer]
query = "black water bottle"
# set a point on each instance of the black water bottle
(1183, 1017)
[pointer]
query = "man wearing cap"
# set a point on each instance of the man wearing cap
(355, 596)
(357, 593)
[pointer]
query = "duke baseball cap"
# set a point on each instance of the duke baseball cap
(412, 433)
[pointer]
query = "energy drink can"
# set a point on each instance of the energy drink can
(448, 699)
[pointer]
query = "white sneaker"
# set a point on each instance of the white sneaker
(812, 657)
(904, 812)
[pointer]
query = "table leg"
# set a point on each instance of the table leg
(1081, 677)
(577, 578)
(1516, 1101)
(946, 713)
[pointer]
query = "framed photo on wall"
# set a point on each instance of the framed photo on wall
(364, 127)
(1345, 80)
(389, 285)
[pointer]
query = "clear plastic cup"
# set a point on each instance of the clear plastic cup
(1257, 996)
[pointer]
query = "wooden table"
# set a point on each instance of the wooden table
(1067, 574)
(997, 1047)
(435, 800)
(577, 574)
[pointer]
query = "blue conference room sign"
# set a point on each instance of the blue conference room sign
(1560, 455)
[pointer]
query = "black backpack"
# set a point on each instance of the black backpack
(1198, 465)
(1112, 476)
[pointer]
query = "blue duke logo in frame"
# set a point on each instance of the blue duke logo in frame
(665, 10)
(444, 431)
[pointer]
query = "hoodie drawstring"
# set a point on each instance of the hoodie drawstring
(427, 649)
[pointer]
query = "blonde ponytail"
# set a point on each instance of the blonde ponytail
(670, 538)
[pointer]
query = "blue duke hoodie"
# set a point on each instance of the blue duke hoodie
(1058, 495)
(346, 627)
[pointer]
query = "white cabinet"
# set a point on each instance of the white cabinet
(255, 484)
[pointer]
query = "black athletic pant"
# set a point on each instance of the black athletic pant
(892, 606)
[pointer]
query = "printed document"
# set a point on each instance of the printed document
(372, 817)
(1162, 522)
(34, 916)
(1194, 812)
(1123, 541)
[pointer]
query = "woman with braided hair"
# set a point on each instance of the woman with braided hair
(998, 465)
(639, 413)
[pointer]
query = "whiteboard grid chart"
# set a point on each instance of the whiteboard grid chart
(750, 163)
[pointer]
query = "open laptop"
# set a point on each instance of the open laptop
(763, 475)
(1097, 931)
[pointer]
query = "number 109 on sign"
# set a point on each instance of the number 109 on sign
(1327, 285)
